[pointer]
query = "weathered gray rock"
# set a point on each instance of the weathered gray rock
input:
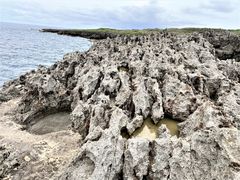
(114, 87)
(135, 123)
(226, 43)
(8, 162)
(101, 158)
(136, 162)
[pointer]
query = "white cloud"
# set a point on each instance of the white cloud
(123, 13)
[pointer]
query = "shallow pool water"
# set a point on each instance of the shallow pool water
(51, 123)
(149, 130)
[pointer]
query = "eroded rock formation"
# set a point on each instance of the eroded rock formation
(114, 87)
(226, 43)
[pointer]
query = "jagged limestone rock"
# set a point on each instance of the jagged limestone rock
(136, 162)
(114, 87)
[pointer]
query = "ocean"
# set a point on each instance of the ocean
(23, 48)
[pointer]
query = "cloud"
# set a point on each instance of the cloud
(220, 6)
(123, 13)
(215, 13)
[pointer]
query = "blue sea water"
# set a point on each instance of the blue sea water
(23, 48)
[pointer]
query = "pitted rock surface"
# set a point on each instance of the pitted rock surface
(119, 83)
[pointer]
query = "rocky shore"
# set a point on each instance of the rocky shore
(225, 42)
(156, 106)
(82, 33)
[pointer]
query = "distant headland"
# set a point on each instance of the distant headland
(104, 33)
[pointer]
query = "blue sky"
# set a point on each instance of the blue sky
(126, 14)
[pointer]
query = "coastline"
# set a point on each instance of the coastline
(23, 48)
(228, 48)
(104, 33)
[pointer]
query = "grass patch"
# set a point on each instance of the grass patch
(236, 31)
(112, 31)
(103, 33)
(144, 31)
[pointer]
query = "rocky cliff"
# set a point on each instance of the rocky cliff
(129, 84)
(97, 35)
(225, 42)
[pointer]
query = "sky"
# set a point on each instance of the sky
(123, 14)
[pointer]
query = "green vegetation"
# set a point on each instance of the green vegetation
(187, 30)
(113, 31)
(143, 31)
(236, 31)
(103, 33)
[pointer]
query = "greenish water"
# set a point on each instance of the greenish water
(149, 130)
